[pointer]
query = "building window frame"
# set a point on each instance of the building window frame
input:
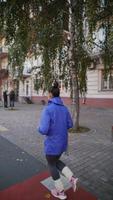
(107, 81)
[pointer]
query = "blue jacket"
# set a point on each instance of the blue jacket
(55, 122)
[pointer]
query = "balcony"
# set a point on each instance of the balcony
(3, 52)
(4, 74)
(3, 49)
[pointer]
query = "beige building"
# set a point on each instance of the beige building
(99, 88)
(7, 81)
(3, 67)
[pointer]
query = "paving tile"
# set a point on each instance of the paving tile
(90, 154)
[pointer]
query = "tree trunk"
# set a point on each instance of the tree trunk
(75, 100)
(74, 68)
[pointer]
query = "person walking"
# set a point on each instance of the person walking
(54, 124)
(5, 98)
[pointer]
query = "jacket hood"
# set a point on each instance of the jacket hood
(56, 100)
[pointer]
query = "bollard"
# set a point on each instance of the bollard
(112, 134)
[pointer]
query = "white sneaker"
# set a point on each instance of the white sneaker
(57, 194)
(74, 182)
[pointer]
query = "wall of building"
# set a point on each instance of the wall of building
(26, 89)
(94, 78)
(95, 96)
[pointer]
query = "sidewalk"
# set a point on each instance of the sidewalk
(23, 177)
(90, 154)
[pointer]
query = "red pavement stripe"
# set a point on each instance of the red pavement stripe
(32, 189)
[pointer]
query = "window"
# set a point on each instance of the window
(27, 90)
(107, 81)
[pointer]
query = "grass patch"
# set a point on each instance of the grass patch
(81, 129)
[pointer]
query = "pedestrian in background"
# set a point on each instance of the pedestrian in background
(12, 98)
(5, 98)
(54, 124)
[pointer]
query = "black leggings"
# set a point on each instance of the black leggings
(55, 165)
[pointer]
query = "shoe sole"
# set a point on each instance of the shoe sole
(58, 197)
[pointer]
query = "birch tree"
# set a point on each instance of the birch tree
(26, 23)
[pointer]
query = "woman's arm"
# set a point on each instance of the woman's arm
(44, 122)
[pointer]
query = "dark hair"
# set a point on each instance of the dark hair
(54, 90)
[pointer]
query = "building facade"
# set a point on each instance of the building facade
(7, 81)
(99, 86)
(4, 75)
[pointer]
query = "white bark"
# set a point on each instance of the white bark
(73, 66)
